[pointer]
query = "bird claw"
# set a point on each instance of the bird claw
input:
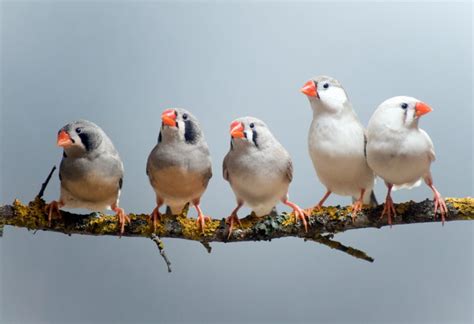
(389, 209)
(122, 219)
(301, 214)
(201, 221)
(230, 220)
(440, 204)
(53, 207)
(356, 208)
(155, 214)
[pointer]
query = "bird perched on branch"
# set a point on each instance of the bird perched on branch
(91, 171)
(336, 143)
(259, 170)
(179, 166)
(400, 152)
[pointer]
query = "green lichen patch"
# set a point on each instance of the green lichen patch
(266, 225)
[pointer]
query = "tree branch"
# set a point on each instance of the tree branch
(333, 219)
(328, 220)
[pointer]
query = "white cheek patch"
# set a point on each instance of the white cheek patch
(181, 126)
(409, 116)
(333, 96)
(248, 134)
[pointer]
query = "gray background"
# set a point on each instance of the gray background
(121, 64)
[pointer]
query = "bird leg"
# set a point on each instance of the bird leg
(53, 207)
(122, 217)
(201, 219)
(234, 218)
(388, 207)
(299, 213)
(438, 202)
(320, 204)
(155, 214)
(357, 205)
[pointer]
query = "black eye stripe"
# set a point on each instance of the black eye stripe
(86, 141)
(254, 137)
(190, 132)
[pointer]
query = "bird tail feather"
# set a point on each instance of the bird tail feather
(369, 199)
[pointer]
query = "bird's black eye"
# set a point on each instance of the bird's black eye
(78, 130)
(326, 85)
(252, 125)
(404, 105)
(185, 116)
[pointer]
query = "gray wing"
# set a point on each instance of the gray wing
(207, 176)
(365, 143)
(225, 171)
(289, 170)
(431, 152)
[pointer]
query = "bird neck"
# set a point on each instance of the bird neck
(335, 110)
(170, 135)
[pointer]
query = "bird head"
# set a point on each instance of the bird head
(179, 124)
(79, 138)
(401, 112)
(250, 132)
(325, 93)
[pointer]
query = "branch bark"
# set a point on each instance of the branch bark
(328, 220)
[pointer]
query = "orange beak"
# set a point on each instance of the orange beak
(64, 140)
(169, 117)
(310, 89)
(421, 109)
(237, 130)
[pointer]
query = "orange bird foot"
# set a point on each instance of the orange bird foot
(51, 208)
(389, 209)
(231, 220)
(122, 218)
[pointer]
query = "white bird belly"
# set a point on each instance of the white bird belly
(177, 186)
(91, 193)
(260, 193)
(343, 176)
(340, 162)
(399, 169)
